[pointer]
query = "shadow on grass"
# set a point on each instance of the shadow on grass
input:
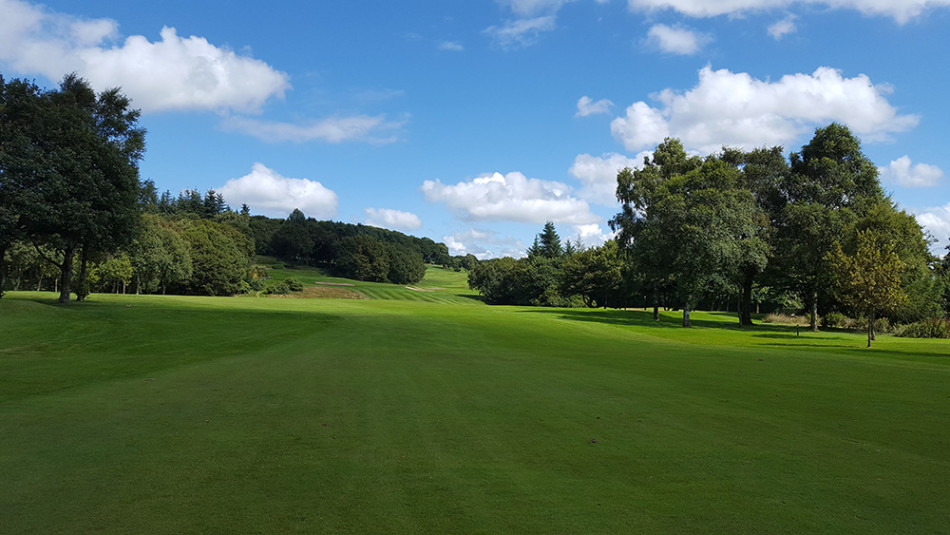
(644, 318)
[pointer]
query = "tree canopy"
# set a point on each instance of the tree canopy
(69, 162)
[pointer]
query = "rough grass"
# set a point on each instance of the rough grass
(190, 414)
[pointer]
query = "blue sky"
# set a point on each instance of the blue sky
(473, 123)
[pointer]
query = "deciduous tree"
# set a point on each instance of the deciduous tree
(71, 157)
(869, 279)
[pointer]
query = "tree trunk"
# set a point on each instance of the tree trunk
(3, 253)
(870, 328)
(686, 322)
(81, 288)
(656, 305)
(66, 275)
(813, 321)
(745, 302)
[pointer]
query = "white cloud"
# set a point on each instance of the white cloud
(533, 7)
(586, 106)
(591, 235)
(937, 221)
(451, 46)
(483, 244)
(532, 18)
(598, 174)
(900, 10)
(521, 32)
(903, 173)
(675, 40)
(392, 219)
(375, 129)
(268, 193)
(735, 109)
(175, 73)
(783, 27)
(510, 197)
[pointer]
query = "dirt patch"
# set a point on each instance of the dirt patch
(415, 289)
(334, 283)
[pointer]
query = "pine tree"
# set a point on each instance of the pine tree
(550, 242)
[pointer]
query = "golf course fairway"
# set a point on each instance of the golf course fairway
(166, 414)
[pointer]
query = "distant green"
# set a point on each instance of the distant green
(151, 414)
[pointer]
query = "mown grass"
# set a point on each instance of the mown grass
(440, 285)
(190, 414)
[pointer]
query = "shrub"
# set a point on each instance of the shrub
(277, 287)
(294, 285)
(256, 285)
(836, 320)
(930, 328)
(883, 325)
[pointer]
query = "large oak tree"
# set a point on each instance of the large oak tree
(69, 167)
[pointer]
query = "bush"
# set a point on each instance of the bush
(294, 285)
(836, 320)
(931, 328)
(256, 285)
(883, 325)
(277, 287)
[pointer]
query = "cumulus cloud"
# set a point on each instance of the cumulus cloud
(675, 40)
(392, 219)
(783, 27)
(936, 221)
(903, 173)
(375, 129)
(510, 197)
(735, 109)
(900, 10)
(591, 235)
(174, 73)
(483, 244)
(586, 106)
(598, 174)
(270, 194)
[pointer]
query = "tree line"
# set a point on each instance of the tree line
(75, 217)
(814, 232)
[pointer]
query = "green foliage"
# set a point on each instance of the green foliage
(277, 287)
(928, 328)
(362, 258)
(869, 279)
(836, 320)
(549, 243)
(69, 161)
(220, 257)
(114, 274)
(831, 185)
(596, 275)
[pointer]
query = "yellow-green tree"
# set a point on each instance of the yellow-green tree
(869, 280)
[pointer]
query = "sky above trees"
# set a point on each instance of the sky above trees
(474, 123)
